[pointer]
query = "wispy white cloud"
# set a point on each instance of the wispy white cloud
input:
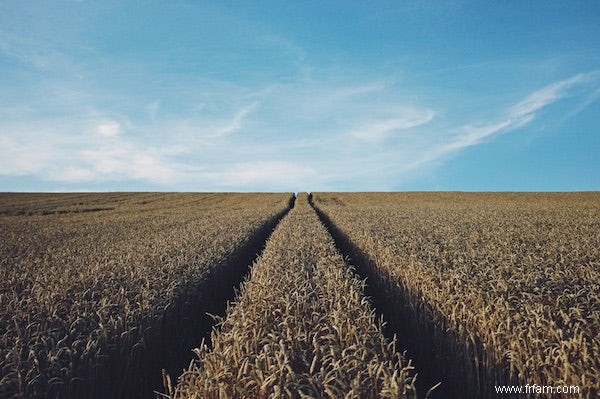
(235, 123)
(125, 162)
(24, 156)
(108, 129)
(313, 135)
(80, 151)
(552, 93)
(516, 116)
(380, 129)
(281, 175)
(526, 110)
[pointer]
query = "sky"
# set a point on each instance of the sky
(299, 96)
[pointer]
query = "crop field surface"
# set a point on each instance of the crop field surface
(301, 327)
(482, 288)
(98, 291)
(327, 295)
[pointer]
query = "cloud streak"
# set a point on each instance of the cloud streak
(235, 123)
(525, 111)
(314, 135)
(551, 93)
(379, 130)
(516, 116)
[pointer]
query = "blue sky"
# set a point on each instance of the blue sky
(299, 96)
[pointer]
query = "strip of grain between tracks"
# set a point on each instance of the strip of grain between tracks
(195, 309)
(428, 373)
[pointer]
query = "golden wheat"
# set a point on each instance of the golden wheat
(88, 282)
(510, 283)
(300, 328)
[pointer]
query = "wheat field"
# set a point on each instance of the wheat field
(323, 295)
(496, 288)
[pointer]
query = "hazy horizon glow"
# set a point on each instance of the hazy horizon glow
(277, 96)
